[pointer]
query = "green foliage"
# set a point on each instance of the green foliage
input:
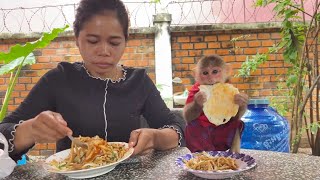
(155, 1)
(251, 64)
(313, 127)
(280, 103)
(10, 67)
(19, 56)
(295, 50)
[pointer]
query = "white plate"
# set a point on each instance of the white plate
(245, 162)
(85, 173)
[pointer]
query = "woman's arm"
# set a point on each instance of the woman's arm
(167, 127)
(146, 139)
(16, 126)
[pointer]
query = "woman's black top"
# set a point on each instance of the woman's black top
(92, 106)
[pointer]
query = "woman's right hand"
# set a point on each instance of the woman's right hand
(49, 126)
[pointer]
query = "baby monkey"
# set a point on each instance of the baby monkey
(200, 133)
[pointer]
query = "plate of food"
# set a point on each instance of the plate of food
(215, 164)
(98, 158)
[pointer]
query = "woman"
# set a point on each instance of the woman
(96, 96)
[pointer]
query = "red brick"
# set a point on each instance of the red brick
(229, 58)
(39, 146)
(209, 52)
(69, 44)
(281, 70)
(254, 43)
(74, 51)
(264, 36)
(18, 100)
(129, 63)
(241, 44)
(275, 36)
(61, 51)
(181, 67)
(268, 43)
(130, 50)
(24, 80)
(42, 59)
(210, 38)
(221, 52)
(214, 45)
(51, 145)
(20, 87)
(250, 51)
(34, 153)
(186, 46)
(35, 79)
(48, 52)
(56, 58)
(183, 39)
(134, 43)
(181, 53)
(224, 37)
(15, 94)
(194, 52)
(268, 71)
(187, 60)
(197, 39)
(200, 45)
(176, 60)
(192, 67)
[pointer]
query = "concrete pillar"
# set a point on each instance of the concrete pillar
(163, 62)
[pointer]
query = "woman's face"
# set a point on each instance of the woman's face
(101, 43)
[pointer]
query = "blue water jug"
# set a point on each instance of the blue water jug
(264, 128)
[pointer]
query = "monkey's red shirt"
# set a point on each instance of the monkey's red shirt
(202, 135)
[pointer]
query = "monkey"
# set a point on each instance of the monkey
(200, 134)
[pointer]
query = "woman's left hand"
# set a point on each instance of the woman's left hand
(142, 140)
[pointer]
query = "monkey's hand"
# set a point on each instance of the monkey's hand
(200, 98)
(242, 100)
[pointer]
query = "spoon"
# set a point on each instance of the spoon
(78, 142)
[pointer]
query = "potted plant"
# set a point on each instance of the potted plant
(18, 57)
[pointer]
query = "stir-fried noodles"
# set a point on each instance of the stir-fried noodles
(205, 162)
(98, 153)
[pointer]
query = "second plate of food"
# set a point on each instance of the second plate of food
(215, 164)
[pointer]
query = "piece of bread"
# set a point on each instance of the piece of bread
(220, 106)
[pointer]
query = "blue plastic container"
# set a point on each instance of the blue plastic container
(22, 161)
(264, 128)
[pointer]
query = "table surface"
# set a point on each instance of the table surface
(161, 165)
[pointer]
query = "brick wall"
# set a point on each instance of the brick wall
(187, 48)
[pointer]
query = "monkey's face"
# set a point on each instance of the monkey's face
(211, 75)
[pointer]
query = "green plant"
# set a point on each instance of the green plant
(160, 87)
(19, 56)
(299, 46)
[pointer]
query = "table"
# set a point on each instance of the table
(160, 165)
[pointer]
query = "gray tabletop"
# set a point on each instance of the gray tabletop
(161, 165)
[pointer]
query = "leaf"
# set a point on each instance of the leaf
(7, 68)
(292, 79)
(18, 50)
(314, 128)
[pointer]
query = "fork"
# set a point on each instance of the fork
(78, 142)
